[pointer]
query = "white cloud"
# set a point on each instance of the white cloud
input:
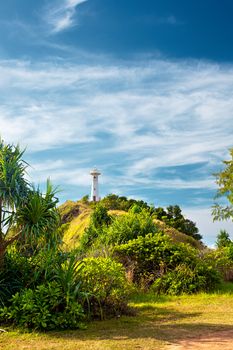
(61, 15)
(144, 117)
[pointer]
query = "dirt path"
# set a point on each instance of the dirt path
(222, 340)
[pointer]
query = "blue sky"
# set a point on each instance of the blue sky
(140, 89)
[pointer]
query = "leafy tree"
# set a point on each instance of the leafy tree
(223, 239)
(160, 213)
(85, 199)
(173, 217)
(224, 180)
(114, 202)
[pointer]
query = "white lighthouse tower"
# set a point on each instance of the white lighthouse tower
(95, 186)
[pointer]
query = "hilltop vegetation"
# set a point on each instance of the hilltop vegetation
(76, 218)
(61, 268)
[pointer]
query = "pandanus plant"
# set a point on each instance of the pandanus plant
(26, 214)
(13, 191)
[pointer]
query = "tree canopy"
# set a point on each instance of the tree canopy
(224, 180)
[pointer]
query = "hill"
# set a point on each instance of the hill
(76, 217)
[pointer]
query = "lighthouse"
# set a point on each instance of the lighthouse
(95, 186)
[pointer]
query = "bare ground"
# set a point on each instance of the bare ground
(221, 340)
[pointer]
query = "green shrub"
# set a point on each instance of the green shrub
(114, 202)
(99, 220)
(222, 260)
(130, 226)
(14, 275)
(151, 256)
(44, 308)
(184, 279)
(104, 282)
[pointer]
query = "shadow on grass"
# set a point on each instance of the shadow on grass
(155, 320)
(152, 322)
(225, 288)
(168, 333)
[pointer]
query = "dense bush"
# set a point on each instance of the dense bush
(130, 226)
(45, 307)
(104, 282)
(109, 231)
(172, 268)
(99, 220)
(57, 291)
(184, 279)
(14, 276)
(114, 202)
(222, 260)
(22, 271)
(150, 256)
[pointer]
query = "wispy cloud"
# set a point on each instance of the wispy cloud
(61, 15)
(137, 119)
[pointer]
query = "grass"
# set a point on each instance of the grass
(159, 321)
(75, 230)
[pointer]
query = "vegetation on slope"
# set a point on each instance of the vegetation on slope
(76, 219)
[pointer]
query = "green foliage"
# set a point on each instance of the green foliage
(222, 260)
(43, 308)
(223, 239)
(100, 217)
(85, 199)
(13, 190)
(26, 215)
(104, 282)
(13, 185)
(114, 202)
(130, 226)
(151, 256)
(184, 279)
(47, 290)
(173, 217)
(172, 268)
(224, 180)
(21, 271)
(14, 276)
(99, 220)
(39, 220)
(107, 231)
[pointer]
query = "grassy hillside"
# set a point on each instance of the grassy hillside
(76, 217)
